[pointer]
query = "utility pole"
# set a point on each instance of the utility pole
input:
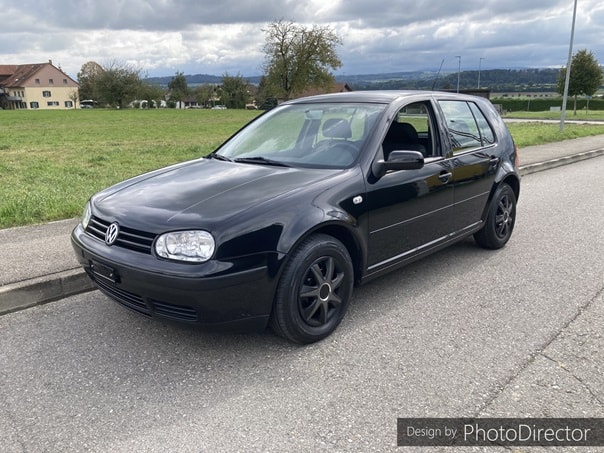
(567, 80)
(479, 65)
(459, 70)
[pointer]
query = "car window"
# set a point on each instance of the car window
(467, 126)
(486, 133)
(316, 135)
(411, 130)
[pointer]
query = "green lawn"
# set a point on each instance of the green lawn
(528, 134)
(52, 161)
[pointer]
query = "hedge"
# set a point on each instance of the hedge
(542, 105)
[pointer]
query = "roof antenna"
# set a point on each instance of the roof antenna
(437, 74)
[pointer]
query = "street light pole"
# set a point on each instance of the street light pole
(567, 80)
(479, 65)
(458, 70)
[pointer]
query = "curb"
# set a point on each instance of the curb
(548, 164)
(41, 290)
(49, 288)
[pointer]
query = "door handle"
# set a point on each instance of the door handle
(445, 176)
(493, 161)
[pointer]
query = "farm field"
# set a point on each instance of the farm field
(52, 161)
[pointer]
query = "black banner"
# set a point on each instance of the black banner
(483, 432)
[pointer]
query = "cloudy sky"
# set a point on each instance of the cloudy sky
(217, 37)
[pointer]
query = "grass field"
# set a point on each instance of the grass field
(52, 161)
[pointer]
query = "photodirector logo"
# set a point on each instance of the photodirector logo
(487, 432)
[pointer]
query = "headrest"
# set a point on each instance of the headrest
(336, 128)
(401, 131)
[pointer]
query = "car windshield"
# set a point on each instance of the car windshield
(305, 135)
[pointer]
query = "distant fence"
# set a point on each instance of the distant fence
(544, 105)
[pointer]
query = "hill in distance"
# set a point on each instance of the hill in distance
(533, 79)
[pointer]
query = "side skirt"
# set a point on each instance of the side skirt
(396, 262)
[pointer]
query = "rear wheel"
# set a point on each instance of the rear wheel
(314, 291)
(500, 221)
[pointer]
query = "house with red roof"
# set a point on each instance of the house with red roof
(37, 86)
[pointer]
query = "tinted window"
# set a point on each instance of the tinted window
(468, 128)
(486, 133)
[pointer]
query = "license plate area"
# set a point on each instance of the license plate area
(104, 272)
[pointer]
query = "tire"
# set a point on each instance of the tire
(500, 220)
(314, 291)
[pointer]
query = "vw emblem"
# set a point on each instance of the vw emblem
(111, 234)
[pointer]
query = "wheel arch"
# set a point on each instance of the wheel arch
(512, 181)
(346, 237)
(343, 233)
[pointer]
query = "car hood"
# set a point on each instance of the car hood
(199, 192)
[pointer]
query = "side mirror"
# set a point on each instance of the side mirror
(404, 160)
(399, 160)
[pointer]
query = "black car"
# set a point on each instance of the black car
(308, 200)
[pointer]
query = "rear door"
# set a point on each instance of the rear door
(473, 160)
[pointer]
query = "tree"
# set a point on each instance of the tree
(118, 85)
(179, 90)
(585, 76)
(88, 77)
(298, 58)
(153, 94)
(234, 93)
(75, 97)
(204, 94)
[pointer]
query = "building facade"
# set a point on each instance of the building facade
(37, 86)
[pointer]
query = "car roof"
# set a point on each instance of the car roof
(377, 96)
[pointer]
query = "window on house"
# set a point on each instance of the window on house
(34, 105)
(52, 103)
(37, 81)
(46, 94)
(51, 82)
(64, 81)
(68, 104)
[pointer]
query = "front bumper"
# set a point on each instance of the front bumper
(236, 294)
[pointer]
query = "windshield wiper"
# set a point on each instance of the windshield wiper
(260, 160)
(217, 156)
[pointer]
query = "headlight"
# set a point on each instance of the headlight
(195, 246)
(86, 215)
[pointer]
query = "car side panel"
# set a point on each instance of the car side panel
(473, 177)
(408, 209)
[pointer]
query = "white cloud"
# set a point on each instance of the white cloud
(202, 36)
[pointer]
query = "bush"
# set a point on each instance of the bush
(543, 104)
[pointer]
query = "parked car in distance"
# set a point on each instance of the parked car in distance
(88, 104)
(219, 107)
(311, 198)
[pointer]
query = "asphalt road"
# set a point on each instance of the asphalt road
(466, 332)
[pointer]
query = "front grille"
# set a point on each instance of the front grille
(138, 304)
(130, 300)
(128, 238)
(174, 311)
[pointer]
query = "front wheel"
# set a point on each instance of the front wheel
(314, 290)
(500, 221)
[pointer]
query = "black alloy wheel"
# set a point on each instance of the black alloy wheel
(314, 291)
(500, 221)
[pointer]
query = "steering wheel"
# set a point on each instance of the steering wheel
(344, 152)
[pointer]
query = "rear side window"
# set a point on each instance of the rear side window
(467, 126)
(486, 133)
